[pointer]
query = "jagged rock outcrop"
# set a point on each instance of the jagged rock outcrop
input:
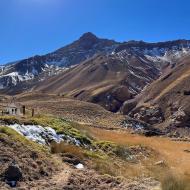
(152, 115)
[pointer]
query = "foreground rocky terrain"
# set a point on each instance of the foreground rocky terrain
(28, 164)
(99, 156)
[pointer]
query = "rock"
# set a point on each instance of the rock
(187, 150)
(121, 93)
(113, 98)
(143, 128)
(114, 105)
(71, 159)
(13, 174)
(108, 101)
(152, 132)
(79, 166)
(151, 115)
(128, 106)
(179, 118)
(186, 92)
(160, 163)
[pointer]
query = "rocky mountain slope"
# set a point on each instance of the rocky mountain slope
(167, 52)
(106, 80)
(96, 70)
(166, 101)
(87, 46)
(111, 79)
(13, 74)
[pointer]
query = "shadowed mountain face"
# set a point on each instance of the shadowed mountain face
(96, 70)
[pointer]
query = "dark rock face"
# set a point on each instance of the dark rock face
(87, 40)
(186, 92)
(151, 115)
(13, 174)
(71, 159)
(128, 106)
(113, 99)
(9, 81)
(107, 101)
(143, 128)
(121, 93)
(179, 118)
(34, 65)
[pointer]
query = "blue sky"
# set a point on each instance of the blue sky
(30, 27)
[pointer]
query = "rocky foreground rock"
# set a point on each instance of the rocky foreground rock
(13, 174)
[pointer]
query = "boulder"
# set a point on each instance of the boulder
(160, 163)
(13, 174)
(128, 106)
(179, 118)
(121, 93)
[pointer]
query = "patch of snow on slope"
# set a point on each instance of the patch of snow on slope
(37, 133)
(164, 54)
(138, 76)
(34, 71)
(43, 135)
(15, 76)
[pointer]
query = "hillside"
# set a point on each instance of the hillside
(112, 158)
(170, 96)
(106, 80)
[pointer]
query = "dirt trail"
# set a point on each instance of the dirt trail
(172, 152)
(73, 179)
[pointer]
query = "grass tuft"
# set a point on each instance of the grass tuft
(172, 182)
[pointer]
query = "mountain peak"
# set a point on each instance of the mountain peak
(88, 36)
(87, 40)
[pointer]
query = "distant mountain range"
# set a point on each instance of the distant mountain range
(94, 69)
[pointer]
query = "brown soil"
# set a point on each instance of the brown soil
(34, 164)
(74, 110)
